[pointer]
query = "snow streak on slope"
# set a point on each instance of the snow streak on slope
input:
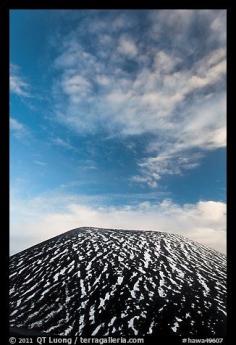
(103, 282)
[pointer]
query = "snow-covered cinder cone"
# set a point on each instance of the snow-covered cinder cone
(106, 282)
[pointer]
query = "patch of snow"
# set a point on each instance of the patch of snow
(174, 328)
(131, 325)
(96, 330)
(120, 280)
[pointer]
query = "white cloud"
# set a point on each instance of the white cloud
(41, 218)
(18, 129)
(180, 23)
(218, 26)
(18, 84)
(165, 62)
(177, 93)
(166, 163)
(146, 104)
(105, 39)
(177, 20)
(103, 80)
(76, 87)
(63, 143)
(203, 128)
(40, 163)
(127, 46)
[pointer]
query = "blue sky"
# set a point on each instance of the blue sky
(117, 113)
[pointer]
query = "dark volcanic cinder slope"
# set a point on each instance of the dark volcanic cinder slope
(102, 282)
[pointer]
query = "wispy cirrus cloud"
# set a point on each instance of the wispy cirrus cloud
(165, 78)
(40, 163)
(18, 84)
(63, 143)
(202, 130)
(18, 129)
